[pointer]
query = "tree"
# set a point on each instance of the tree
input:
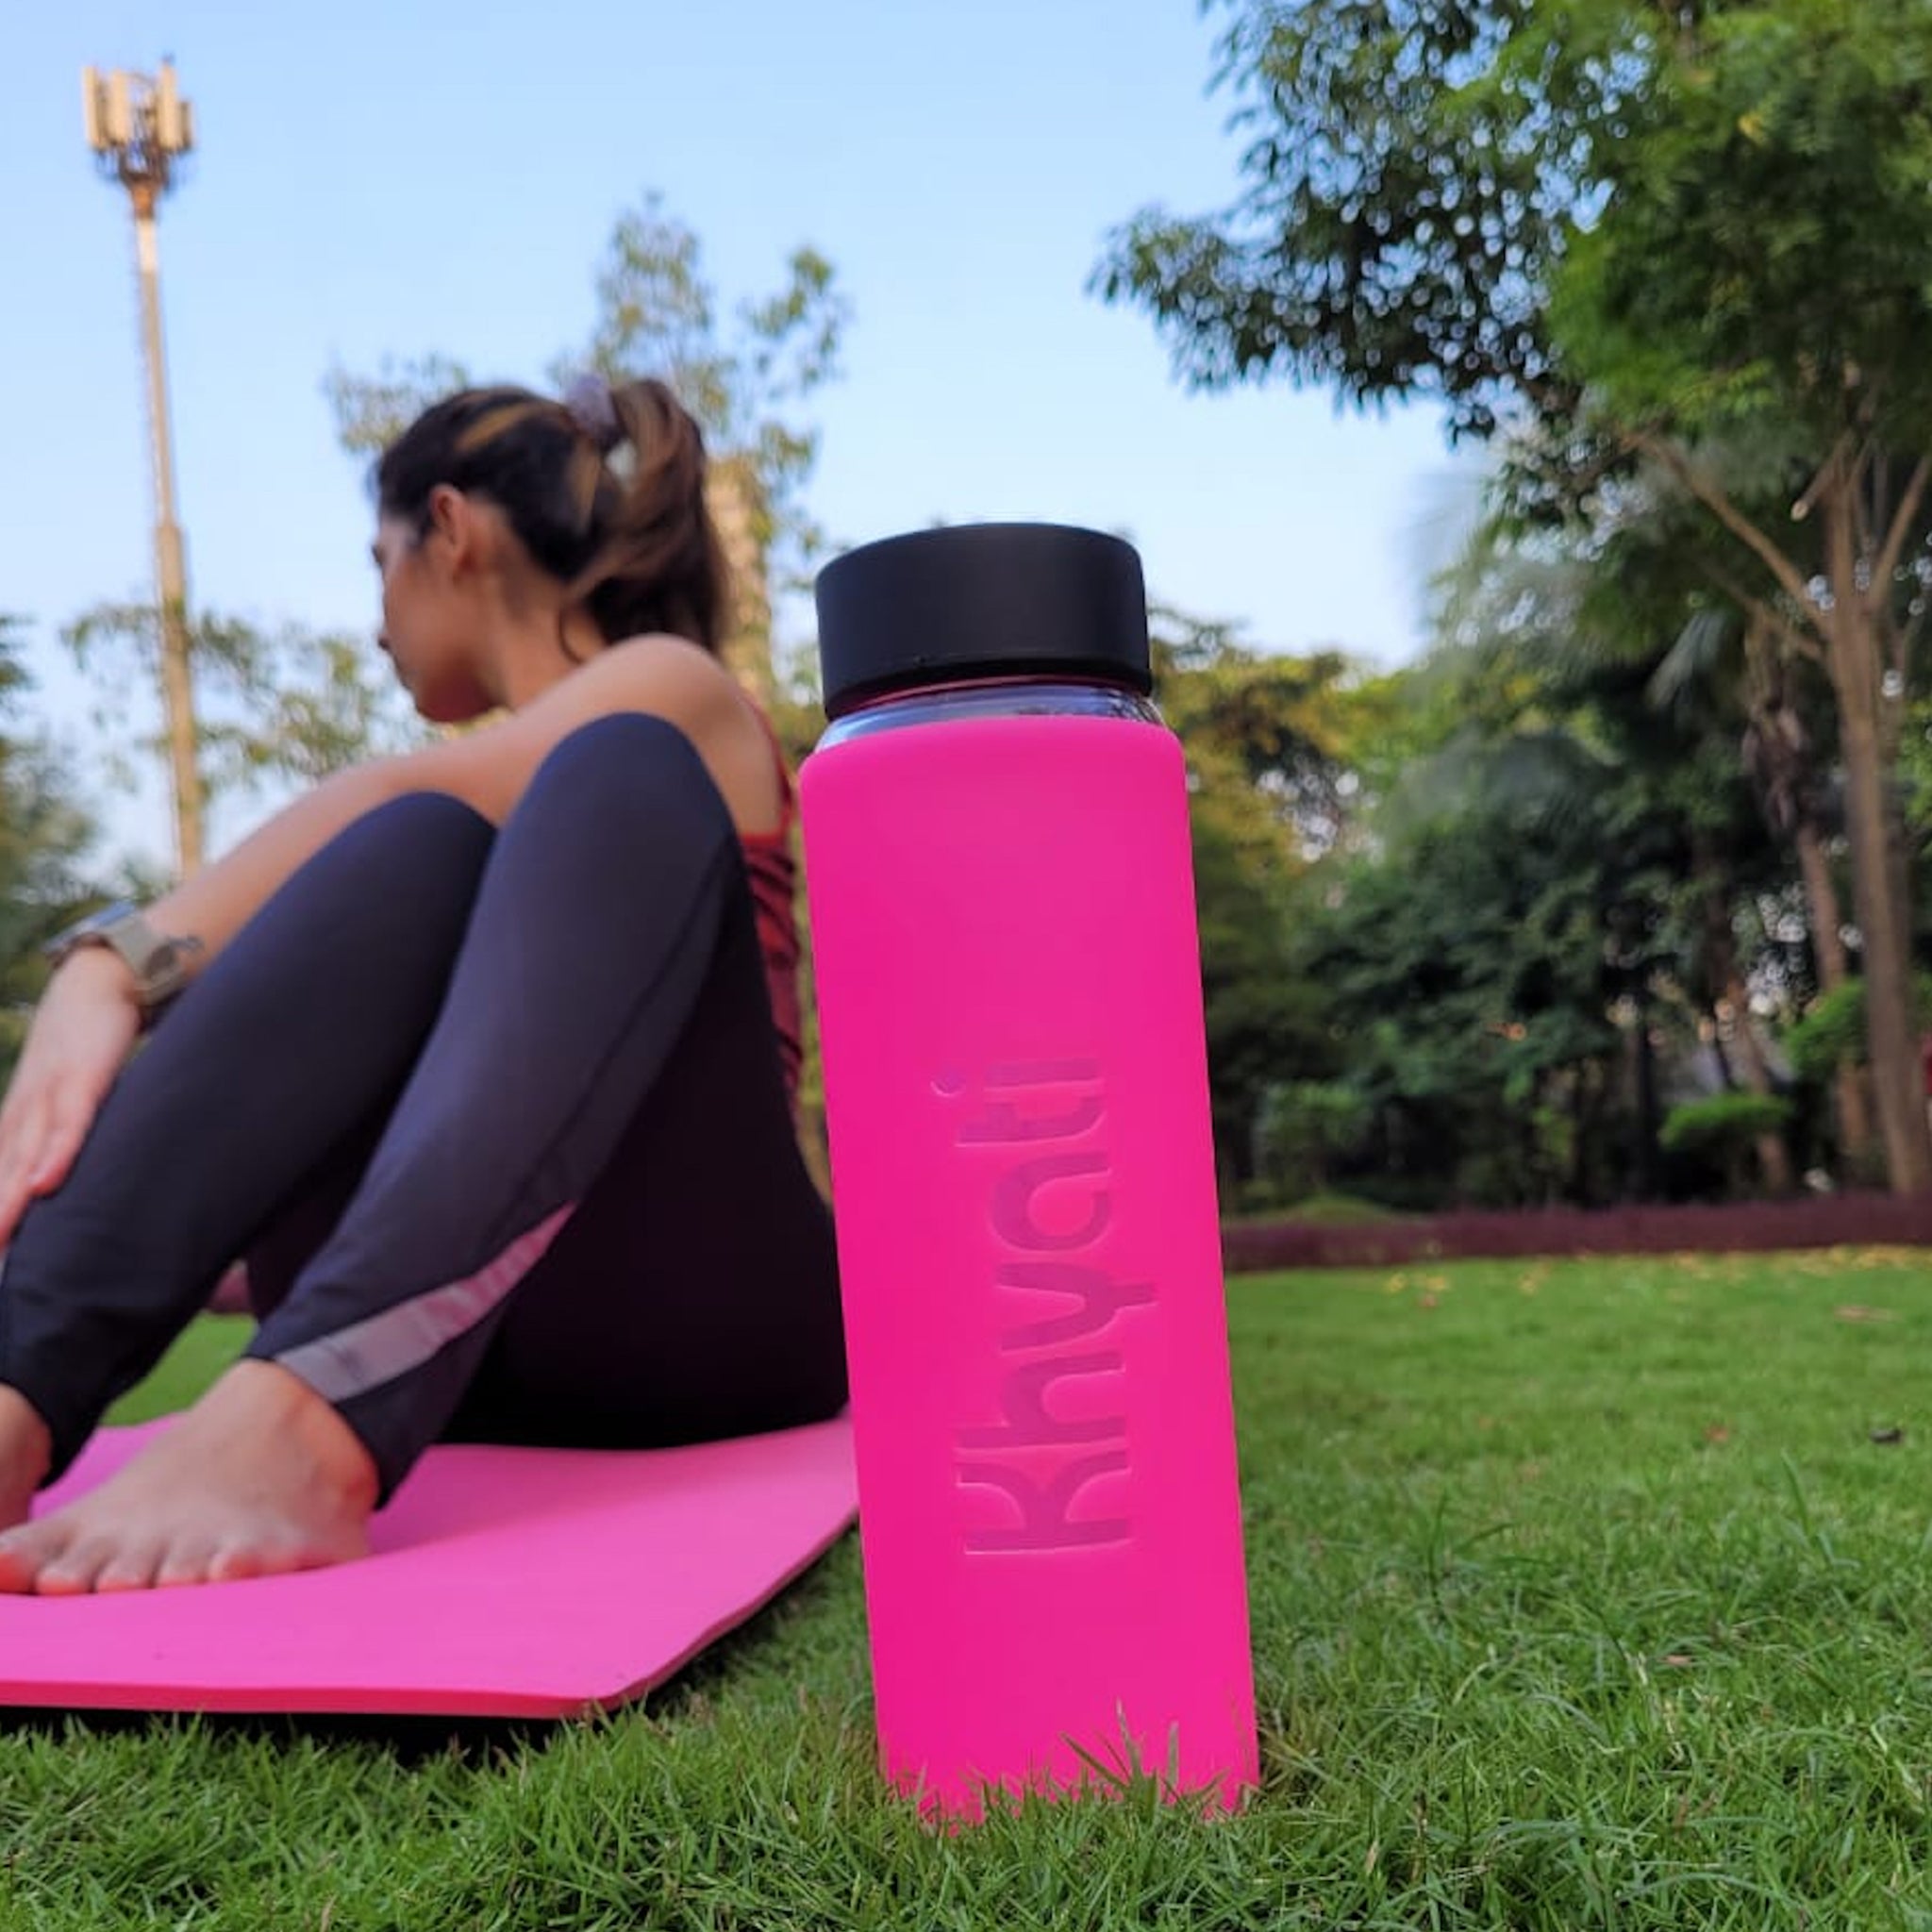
(742, 374)
(1564, 873)
(1803, 122)
(44, 835)
(1268, 738)
(1645, 224)
(1467, 992)
(1607, 627)
(1631, 594)
(1740, 664)
(282, 705)
(1494, 961)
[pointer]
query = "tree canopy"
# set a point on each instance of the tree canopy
(1627, 238)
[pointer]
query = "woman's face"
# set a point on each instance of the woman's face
(427, 629)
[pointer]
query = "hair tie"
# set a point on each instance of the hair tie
(594, 410)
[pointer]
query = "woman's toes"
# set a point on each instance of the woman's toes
(236, 1563)
(133, 1566)
(188, 1560)
(25, 1551)
(72, 1571)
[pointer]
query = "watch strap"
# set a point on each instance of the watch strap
(158, 962)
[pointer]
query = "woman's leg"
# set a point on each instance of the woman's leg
(609, 1015)
(694, 1294)
(301, 1031)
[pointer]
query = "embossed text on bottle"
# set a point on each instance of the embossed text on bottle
(1050, 1200)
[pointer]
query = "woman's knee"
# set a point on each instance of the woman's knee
(410, 854)
(418, 834)
(629, 766)
(434, 822)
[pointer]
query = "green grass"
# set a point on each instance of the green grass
(1585, 1596)
(202, 1353)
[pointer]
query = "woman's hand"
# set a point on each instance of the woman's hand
(77, 1043)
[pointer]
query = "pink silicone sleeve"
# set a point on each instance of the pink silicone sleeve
(1009, 992)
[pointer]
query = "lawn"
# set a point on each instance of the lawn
(1585, 1594)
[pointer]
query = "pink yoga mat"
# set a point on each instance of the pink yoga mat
(502, 1583)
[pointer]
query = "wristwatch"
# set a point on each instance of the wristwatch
(158, 962)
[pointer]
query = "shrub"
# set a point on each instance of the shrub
(1722, 1122)
(1832, 1034)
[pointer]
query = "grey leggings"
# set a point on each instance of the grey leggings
(499, 1122)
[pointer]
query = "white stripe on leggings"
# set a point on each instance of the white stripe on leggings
(369, 1352)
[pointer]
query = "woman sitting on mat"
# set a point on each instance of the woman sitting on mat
(485, 1061)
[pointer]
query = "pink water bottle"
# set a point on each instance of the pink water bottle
(1008, 974)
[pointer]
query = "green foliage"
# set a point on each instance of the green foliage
(1334, 1210)
(1598, 658)
(1466, 988)
(1915, 771)
(1765, 241)
(271, 707)
(1305, 1127)
(1268, 738)
(1559, 855)
(298, 705)
(1723, 1123)
(371, 411)
(1832, 1033)
(1412, 171)
(1598, 716)
(1680, 256)
(46, 836)
(742, 369)
(744, 378)
(1699, 210)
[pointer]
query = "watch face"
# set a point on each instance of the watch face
(151, 957)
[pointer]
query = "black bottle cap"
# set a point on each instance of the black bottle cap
(980, 600)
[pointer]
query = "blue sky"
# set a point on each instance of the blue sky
(396, 178)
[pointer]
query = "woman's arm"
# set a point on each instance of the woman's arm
(89, 1019)
(488, 770)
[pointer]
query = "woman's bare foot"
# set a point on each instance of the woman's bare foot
(261, 1476)
(24, 1451)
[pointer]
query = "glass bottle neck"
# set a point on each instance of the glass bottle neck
(993, 697)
